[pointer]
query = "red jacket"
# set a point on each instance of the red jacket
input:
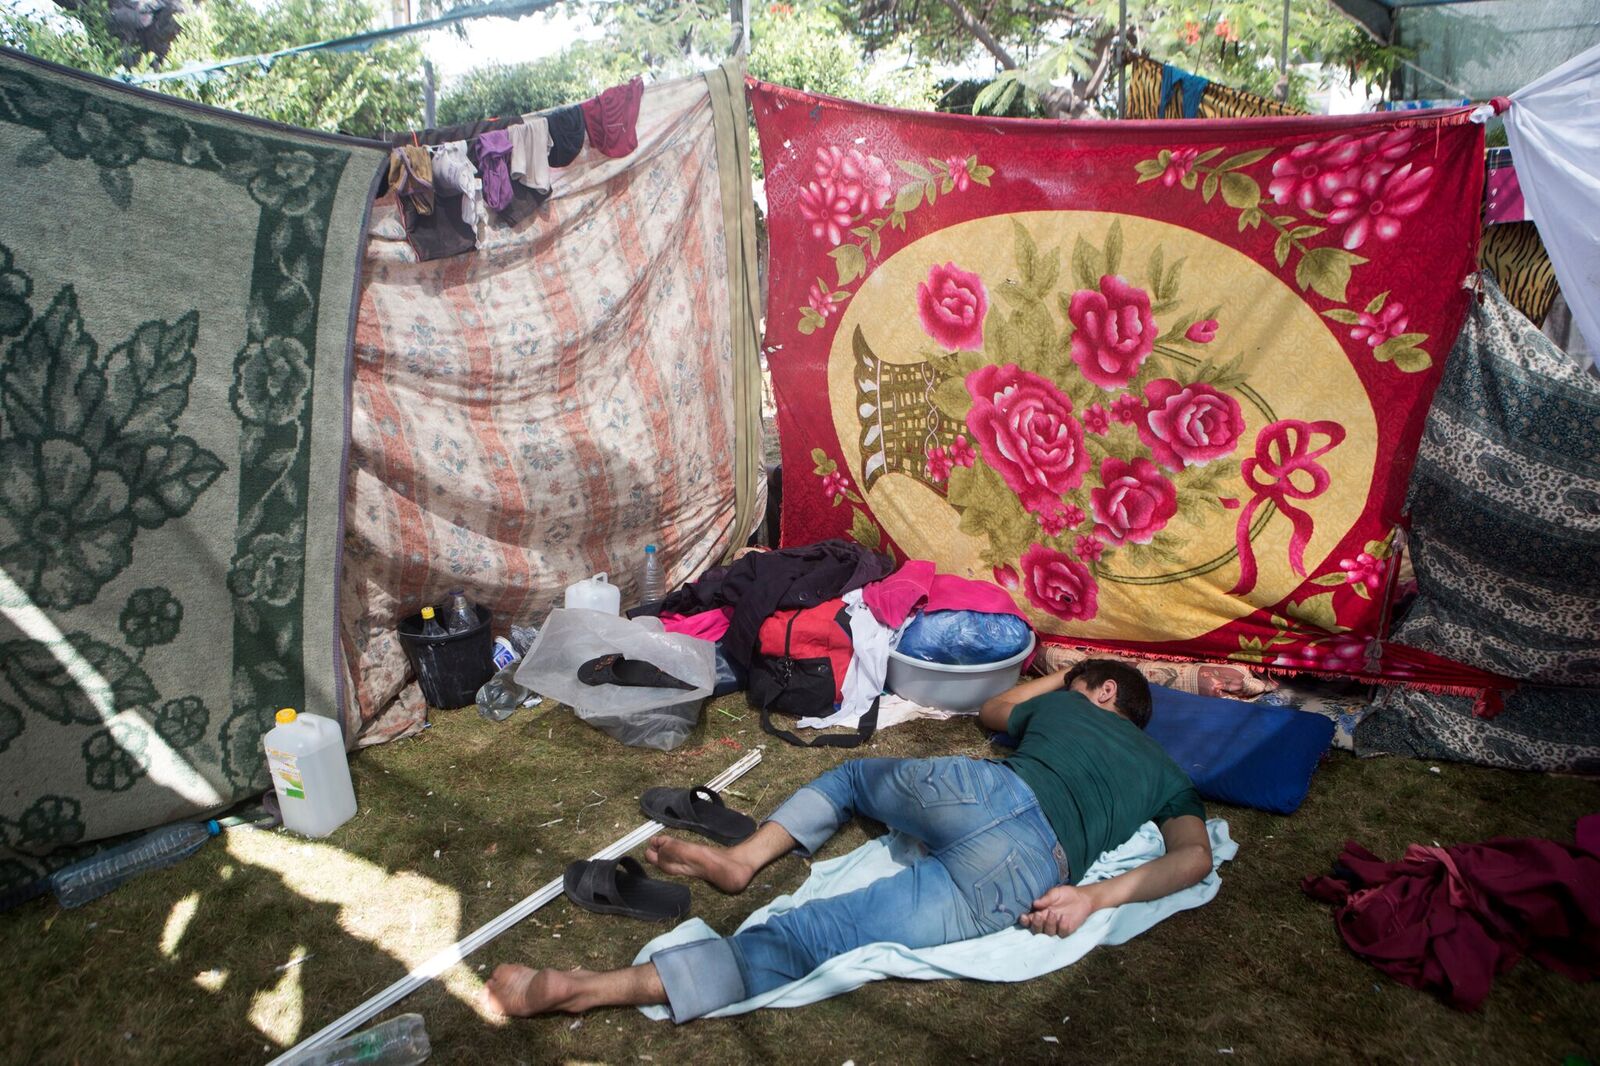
(1451, 919)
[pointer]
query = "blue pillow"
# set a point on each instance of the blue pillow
(1237, 752)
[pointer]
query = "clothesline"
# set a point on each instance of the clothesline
(353, 43)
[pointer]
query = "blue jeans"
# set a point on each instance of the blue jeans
(991, 853)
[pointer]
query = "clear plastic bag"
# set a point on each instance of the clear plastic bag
(963, 638)
(659, 718)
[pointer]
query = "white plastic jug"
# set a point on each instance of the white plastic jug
(310, 773)
(595, 594)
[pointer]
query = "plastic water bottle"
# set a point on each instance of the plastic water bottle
(653, 586)
(93, 877)
(461, 615)
(430, 624)
(400, 1041)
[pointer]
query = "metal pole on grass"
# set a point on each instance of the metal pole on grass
(443, 960)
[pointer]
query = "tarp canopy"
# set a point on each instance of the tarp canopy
(1477, 48)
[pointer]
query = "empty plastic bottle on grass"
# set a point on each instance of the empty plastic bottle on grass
(93, 877)
(400, 1041)
(653, 585)
(461, 615)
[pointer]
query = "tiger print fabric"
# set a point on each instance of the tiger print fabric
(1218, 101)
(1514, 254)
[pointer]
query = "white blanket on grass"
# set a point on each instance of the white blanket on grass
(1010, 955)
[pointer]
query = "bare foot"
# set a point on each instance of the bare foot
(522, 992)
(713, 865)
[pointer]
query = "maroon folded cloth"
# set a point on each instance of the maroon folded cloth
(612, 119)
(1449, 920)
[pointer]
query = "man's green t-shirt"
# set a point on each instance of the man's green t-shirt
(1097, 775)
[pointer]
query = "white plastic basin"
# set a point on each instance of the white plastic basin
(953, 688)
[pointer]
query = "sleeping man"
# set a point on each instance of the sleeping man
(1007, 844)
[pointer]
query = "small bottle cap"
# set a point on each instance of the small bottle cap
(287, 715)
(427, 613)
(650, 548)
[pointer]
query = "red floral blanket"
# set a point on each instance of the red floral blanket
(1164, 381)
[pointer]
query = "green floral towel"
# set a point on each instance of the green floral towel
(176, 287)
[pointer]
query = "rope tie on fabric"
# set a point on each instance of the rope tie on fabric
(1283, 450)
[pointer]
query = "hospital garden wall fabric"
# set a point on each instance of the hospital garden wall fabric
(583, 384)
(1162, 381)
(176, 289)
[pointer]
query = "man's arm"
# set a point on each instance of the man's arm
(1064, 908)
(996, 710)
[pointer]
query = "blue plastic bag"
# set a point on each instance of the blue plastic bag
(963, 638)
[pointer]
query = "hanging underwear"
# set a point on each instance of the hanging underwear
(566, 134)
(453, 175)
(530, 152)
(411, 178)
(492, 152)
(612, 119)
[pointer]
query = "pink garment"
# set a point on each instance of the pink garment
(917, 585)
(707, 625)
(612, 119)
(894, 598)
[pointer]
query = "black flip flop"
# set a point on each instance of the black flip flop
(698, 809)
(619, 886)
(630, 673)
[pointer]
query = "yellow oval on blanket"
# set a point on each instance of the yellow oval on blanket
(980, 470)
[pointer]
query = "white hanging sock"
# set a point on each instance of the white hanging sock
(1554, 128)
(870, 640)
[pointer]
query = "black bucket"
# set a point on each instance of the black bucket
(450, 668)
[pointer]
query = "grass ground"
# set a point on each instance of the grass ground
(263, 938)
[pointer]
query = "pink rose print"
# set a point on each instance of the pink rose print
(1089, 549)
(1096, 419)
(1202, 332)
(939, 462)
(1376, 205)
(821, 300)
(1025, 426)
(828, 208)
(1127, 408)
(1114, 331)
(1057, 583)
(1188, 425)
(1309, 175)
(958, 172)
(863, 180)
(952, 303)
(1375, 329)
(1135, 502)
(1341, 654)
(835, 485)
(1364, 569)
(1053, 522)
(1178, 166)
(961, 452)
(1006, 577)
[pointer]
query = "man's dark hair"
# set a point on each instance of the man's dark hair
(1133, 691)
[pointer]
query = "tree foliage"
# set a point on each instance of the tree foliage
(517, 88)
(360, 93)
(805, 46)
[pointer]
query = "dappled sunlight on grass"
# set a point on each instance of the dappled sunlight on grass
(277, 1012)
(178, 923)
(403, 914)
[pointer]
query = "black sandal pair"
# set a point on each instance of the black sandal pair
(620, 886)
